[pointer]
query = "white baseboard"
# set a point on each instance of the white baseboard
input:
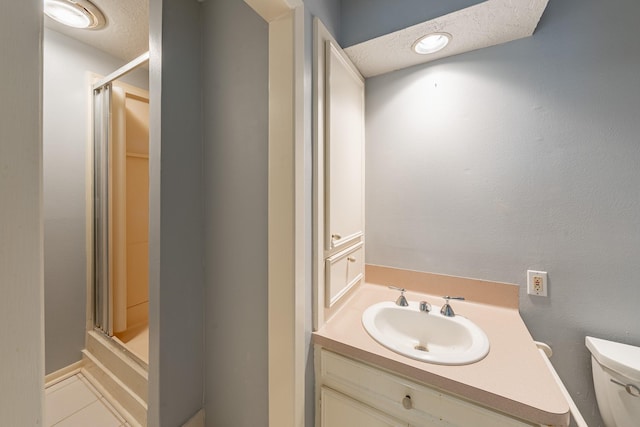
(63, 374)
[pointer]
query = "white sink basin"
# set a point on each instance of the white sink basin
(429, 337)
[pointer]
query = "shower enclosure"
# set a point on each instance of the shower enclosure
(121, 211)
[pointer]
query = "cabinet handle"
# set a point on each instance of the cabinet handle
(336, 236)
(351, 259)
(407, 403)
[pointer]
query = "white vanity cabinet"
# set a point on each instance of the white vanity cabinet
(355, 394)
(341, 410)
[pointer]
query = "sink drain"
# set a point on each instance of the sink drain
(421, 348)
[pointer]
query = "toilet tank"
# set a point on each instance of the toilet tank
(616, 379)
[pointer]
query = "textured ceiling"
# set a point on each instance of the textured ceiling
(492, 22)
(126, 34)
(362, 20)
(486, 24)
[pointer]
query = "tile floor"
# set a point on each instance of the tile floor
(74, 402)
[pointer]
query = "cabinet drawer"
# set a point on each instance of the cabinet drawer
(342, 271)
(386, 392)
(338, 410)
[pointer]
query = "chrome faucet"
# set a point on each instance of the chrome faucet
(424, 307)
(401, 301)
(446, 309)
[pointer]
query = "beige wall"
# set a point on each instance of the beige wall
(137, 131)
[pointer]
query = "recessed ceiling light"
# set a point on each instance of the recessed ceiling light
(431, 43)
(75, 13)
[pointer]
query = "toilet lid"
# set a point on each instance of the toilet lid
(621, 358)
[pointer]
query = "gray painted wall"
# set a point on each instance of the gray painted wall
(328, 11)
(521, 156)
(176, 245)
(236, 111)
(21, 281)
(66, 110)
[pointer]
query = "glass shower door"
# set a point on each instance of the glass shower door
(101, 192)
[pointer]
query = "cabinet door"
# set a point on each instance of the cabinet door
(339, 410)
(344, 150)
(343, 271)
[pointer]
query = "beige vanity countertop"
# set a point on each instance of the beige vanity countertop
(512, 378)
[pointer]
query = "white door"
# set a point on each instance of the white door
(344, 150)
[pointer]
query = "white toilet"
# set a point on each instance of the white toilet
(616, 378)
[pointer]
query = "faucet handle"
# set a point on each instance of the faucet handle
(446, 309)
(401, 301)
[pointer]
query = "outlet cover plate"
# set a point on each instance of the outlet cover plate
(537, 283)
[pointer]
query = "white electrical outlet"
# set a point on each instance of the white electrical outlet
(537, 283)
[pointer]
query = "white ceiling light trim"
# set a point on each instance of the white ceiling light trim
(485, 24)
(75, 13)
